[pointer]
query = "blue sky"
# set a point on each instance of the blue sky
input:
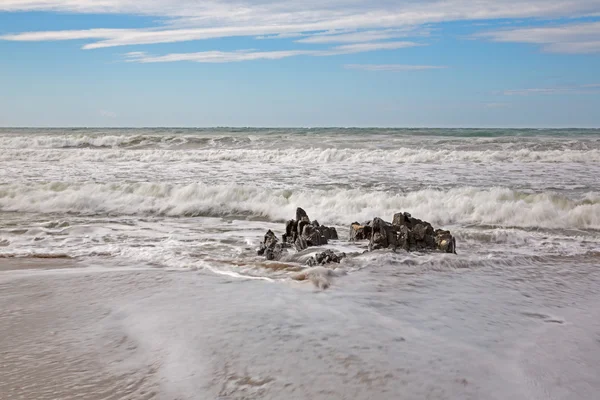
(450, 63)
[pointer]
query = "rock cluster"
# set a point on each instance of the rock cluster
(325, 257)
(302, 233)
(405, 232)
(270, 247)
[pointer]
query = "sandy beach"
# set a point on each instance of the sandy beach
(129, 265)
(92, 333)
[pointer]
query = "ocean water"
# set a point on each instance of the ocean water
(193, 204)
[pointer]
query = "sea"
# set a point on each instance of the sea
(130, 265)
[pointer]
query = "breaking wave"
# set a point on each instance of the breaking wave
(464, 206)
(93, 141)
(307, 155)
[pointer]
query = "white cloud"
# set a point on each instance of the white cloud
(571, 38)
(361, 36)
(185, 20)
(392, 67)
(281, 36)
(362, 47)
(216, 56)
(590, 88)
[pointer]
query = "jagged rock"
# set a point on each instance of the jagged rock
(290, 231)
(360, 232)
(302, 233)
(383, 235)
(419, 232)
(402, 219)
(403, 237)
(301, 224)
(313, 236)
(445, 241)
(301, 214)
(405, 232)
(415, 234)
(270, 247)
(329, 233)
(325, 257)
(300, 243)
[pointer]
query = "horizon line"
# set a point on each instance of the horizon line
(299, 127)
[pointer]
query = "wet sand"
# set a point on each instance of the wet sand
(152, 334)
(26, 263)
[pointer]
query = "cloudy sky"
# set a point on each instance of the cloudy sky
(472, 63)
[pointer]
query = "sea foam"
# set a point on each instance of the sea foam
(466, 205)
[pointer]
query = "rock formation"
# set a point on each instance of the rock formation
(360, 231)
(302, 233)
(325, 257)
(404, 232)
(270, 247)
(408, 233)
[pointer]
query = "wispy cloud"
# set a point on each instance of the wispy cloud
(361, 36)
(590, 88)
(392, 67)
(281, 36)
(363, 47)
(216, 56)
(574, 38)
(185, 20)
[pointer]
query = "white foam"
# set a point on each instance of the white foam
(494, 206)
(400, 155)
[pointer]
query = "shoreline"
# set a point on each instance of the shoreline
(33, 263)
(158, 334)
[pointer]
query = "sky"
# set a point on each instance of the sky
(291, 63)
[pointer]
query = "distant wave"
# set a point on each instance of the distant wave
(495, 206)
(225, 131)
(242, 138)
(96, 141)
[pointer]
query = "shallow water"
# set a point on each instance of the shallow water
(166, 298)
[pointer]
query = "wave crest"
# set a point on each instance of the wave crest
(463, 206)
(307, 155)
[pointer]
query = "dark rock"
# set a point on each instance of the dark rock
(316, 239)
(327, 232)
(301, 214)
(313, 236)
(360, 232)
(290, 231)
(274, 253)
(300, 243)
(325, 257)
(308, 230)
(405, 219)
(301, 224)
(419, 231)
(302, 233)
(383, 236)
(445, 241)
(402, 219)
(270, 247)
(414, 234)
(402, 237)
